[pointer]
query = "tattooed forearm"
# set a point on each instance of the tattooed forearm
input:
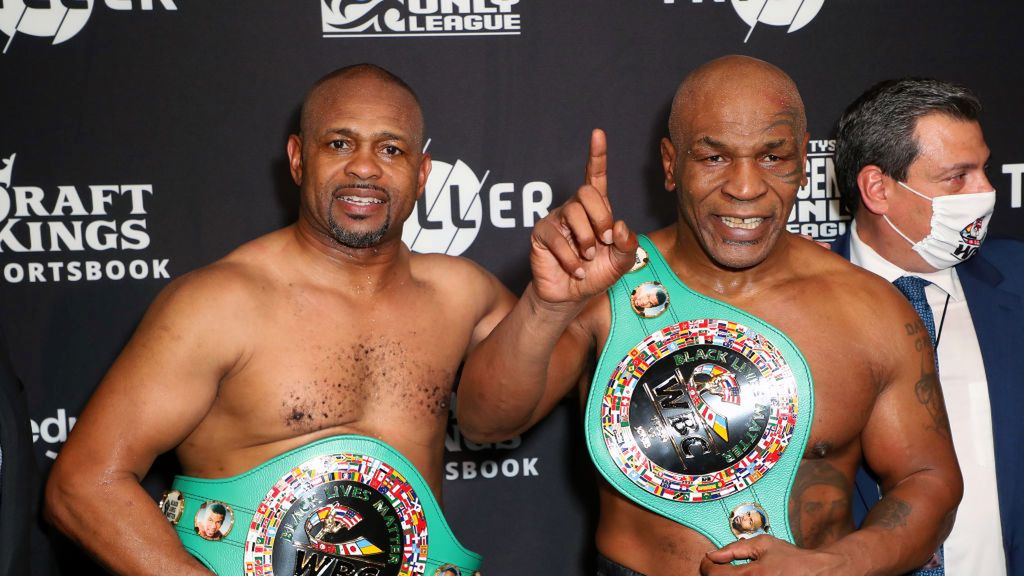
(890, 513)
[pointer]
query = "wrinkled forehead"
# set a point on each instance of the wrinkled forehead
(740, 100)
(745, 114)
(362, 97)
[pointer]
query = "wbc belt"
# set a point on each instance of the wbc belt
(347, 505)
(698, 411)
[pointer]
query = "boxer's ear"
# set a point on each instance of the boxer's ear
(668, 163)
(295, 158)
(423, 175)
(874, 189)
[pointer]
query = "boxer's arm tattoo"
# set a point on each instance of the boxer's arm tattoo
(891, 513)
(928, 394)
(819, 504)
(927, 388)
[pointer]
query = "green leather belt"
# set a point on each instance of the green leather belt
(342, 505)
(698, 411)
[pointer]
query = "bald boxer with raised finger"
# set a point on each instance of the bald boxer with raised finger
(728, 422)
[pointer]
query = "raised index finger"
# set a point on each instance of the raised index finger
(597, 163)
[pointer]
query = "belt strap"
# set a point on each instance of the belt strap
(344, 504)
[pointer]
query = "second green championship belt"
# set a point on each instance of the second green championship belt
(344, 505)
(698, 411)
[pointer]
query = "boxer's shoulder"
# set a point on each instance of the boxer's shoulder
(460, 281)
(823, 275)
(443, 270)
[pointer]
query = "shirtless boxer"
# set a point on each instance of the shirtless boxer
(781, 313)
(327, 327)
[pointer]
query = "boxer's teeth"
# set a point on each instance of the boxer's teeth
(744, 223)
(361, 200)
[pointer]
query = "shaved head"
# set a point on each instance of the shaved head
(721, 79)
(323, 89)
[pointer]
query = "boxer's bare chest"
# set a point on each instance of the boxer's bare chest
(369, 363)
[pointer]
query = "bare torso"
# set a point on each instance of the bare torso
(805, 307)
(318, 359)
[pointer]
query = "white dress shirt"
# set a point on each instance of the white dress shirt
(975, 546)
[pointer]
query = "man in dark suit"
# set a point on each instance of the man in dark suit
(910, 164)
(18, 482)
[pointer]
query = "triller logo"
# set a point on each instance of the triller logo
(448, 216)
(58, 19)
(792, 13)
(390, 18)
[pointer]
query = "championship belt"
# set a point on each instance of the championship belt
(698, 411)
(347, 505)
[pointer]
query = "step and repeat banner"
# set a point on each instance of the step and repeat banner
(140, 139)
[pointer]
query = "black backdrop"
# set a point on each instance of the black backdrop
(143, 138)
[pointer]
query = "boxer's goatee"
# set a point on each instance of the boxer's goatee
(353, 239)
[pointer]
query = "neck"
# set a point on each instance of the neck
(880, 237)
(365, 269)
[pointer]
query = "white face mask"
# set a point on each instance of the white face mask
(959, 223)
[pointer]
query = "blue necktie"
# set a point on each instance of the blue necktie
(913, 288)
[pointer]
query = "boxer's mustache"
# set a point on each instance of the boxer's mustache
(362, 186)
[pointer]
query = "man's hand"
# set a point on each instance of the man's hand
(578, 250)
(769, 555)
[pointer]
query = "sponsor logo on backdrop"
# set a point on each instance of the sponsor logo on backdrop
(468, 460)
(1016, 172)
(68, 233)
(457, 201)
(60, 20)
(818, 211)
(391, 18)
(53, 431)
(793, 14)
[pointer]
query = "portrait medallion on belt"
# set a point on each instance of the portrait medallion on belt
(699, 410)
(339, 514)
(214, 520)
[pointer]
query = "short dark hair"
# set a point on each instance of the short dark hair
(219, 509)
(878, 128)
(367, 69)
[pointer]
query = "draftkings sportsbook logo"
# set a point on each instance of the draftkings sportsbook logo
(363, 18)
(456, 202)
(793, 14)
(38, 226)
(59, 19)
(818, 211)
